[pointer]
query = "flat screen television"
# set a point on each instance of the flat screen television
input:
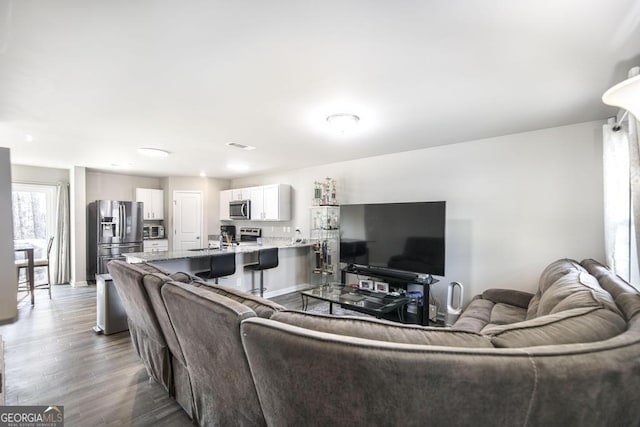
(395, 237)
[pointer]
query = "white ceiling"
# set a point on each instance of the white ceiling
(92, 80)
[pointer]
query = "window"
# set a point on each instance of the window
(34, 216)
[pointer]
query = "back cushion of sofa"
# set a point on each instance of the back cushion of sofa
(263, 307)
(550, 275)
(574, 290)
(381, 330)
(556, 270)
(578, 325)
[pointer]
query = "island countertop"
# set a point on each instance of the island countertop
(134, 257)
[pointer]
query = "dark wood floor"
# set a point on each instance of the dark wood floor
(53, 357)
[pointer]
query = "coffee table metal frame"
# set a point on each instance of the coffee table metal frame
(363, 301)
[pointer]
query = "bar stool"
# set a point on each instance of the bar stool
(267, 259)
(219, 266)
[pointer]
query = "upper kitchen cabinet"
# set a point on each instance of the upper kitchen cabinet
(153, 202)
(270, 202)
(241, 194)
(225, 197)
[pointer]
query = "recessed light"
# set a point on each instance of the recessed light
(343, 122)
(239, 167)
(240, 146)
(153, 152)
(203, 174)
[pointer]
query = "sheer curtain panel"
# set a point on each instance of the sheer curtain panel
(60, 262)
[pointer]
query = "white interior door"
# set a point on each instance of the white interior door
(187, 220)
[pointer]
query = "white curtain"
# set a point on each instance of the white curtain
(617, 201)
(60, 258)
(634, 182)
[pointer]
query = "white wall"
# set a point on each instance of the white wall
(8, 284)
(514, 203)
(78, 225)
(38, 175)
(111, 186)
(210, 189)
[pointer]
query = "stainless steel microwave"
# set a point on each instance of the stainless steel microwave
(240, 209)
(153, 231)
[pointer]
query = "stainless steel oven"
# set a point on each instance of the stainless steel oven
(240, 209)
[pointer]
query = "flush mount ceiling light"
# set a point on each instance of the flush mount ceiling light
(153, 152)
(625, 95)
(343, 122)
(241, 146)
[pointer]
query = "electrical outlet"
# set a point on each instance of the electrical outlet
(433, 312)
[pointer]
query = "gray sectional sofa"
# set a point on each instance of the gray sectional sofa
(187, 334)
(567, 355)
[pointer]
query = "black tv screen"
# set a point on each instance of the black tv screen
(401, 236)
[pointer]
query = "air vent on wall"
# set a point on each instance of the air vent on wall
(241, 146)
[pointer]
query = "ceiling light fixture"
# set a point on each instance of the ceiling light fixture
(203, 174)
(153, 152)
(28, 137)
(625, 94)
(241, 146)
(343, 122)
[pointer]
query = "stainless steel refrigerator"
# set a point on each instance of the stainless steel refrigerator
(114, 228)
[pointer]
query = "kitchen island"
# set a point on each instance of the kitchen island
(292, 273)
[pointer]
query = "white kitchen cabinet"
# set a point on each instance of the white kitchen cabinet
(155, 245)
(153, 202)
(256, 195)
(241, 193)
(277, 203)
(268, 202)
(225, 197)
(271, 203)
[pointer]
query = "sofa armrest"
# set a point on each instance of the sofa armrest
(508, 296)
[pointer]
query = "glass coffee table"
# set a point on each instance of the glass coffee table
(373, 303)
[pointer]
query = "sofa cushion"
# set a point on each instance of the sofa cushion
(475, 316)
(504, 314)
(556, 270)
(550, 275)
(573, 290)
(532, 309)
(626, 297)
(263, 307)
(576, 325)
(508, 296)
(381, 330)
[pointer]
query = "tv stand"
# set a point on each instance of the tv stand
(398, 276)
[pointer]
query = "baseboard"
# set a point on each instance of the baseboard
(79, 284)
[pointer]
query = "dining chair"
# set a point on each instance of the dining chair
(38, 263)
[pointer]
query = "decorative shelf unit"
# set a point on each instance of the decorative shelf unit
(325, 244)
